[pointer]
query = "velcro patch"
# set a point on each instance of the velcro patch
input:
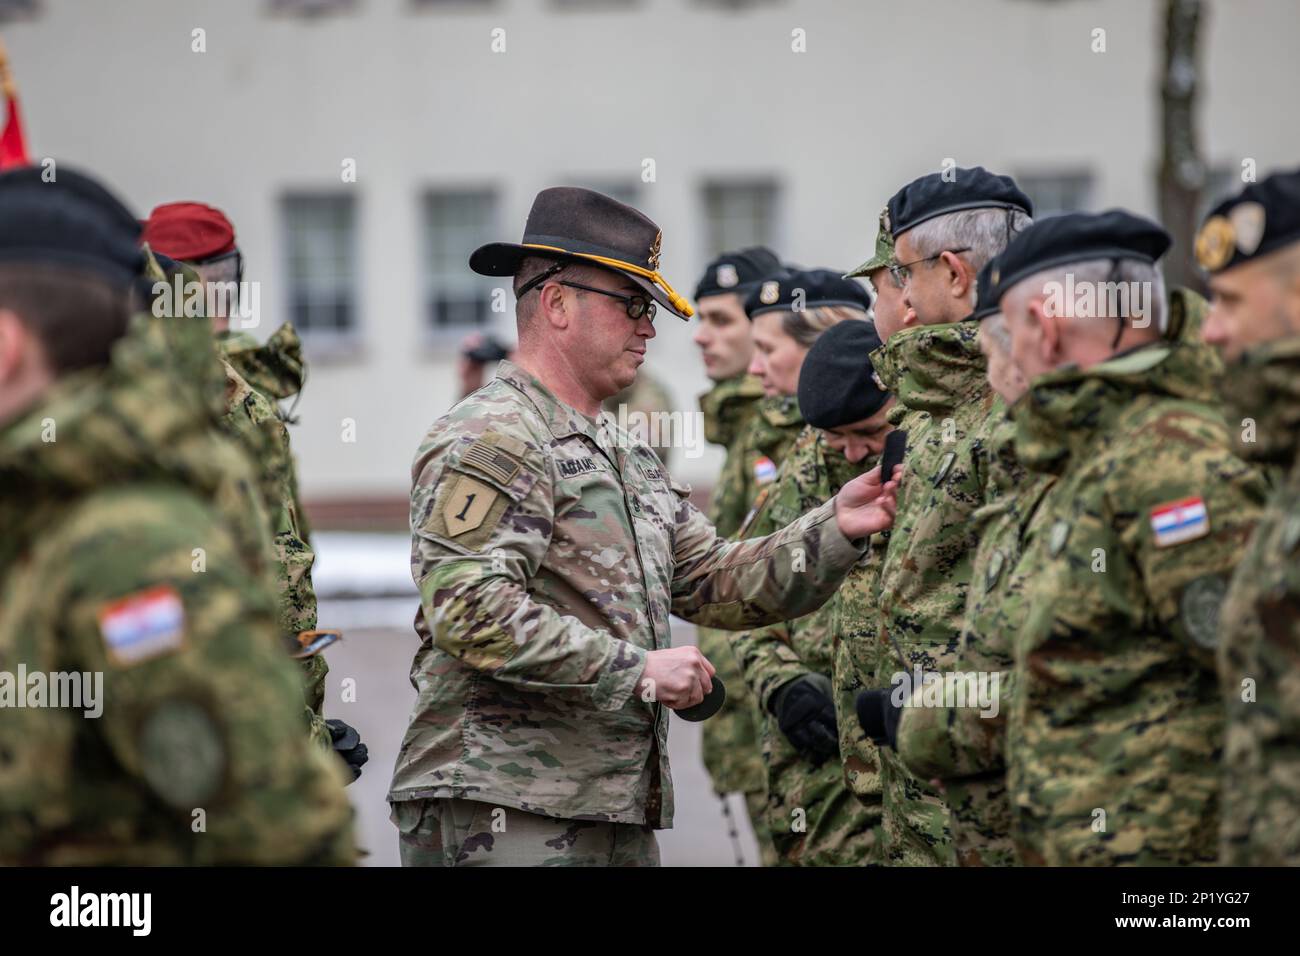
(1179, 521)
(467, 505)
(573, 467)
(491, 460)
(143, 625)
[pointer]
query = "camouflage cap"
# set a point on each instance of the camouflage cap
(884, 249)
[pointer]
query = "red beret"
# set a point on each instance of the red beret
(188, 231)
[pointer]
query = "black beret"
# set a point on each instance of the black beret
(837, 383)
(987, 292)
(818, 287)
(71, 220)
(1261, 218)
(934, 195)
(1078, 237)
(737, 272)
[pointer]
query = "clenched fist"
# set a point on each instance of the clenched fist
(676, 677)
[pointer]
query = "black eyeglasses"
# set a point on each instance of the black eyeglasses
(637, 305)
(901, 271)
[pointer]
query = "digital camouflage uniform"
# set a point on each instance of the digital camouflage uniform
(730, 746)
(117, 489)
(813, 816)
(1259, 652)
(963, 746)
(949, 412)
(1114, 735)
(549, 552)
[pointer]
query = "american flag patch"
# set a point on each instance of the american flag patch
(143, 625)
(491, 461)
(764, 470)
(1180, 521)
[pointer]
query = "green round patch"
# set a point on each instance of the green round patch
(182, 753)
(1199, 608)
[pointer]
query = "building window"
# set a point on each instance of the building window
(1055, 193)
(456, 222)
(321, 237)
(739, 215)
(18, 10)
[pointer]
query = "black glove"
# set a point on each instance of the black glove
(878, 716)
(805, 712)
(348, 745)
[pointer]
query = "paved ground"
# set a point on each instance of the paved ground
(379, 660)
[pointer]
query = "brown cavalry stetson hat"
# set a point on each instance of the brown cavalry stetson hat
(582, 225)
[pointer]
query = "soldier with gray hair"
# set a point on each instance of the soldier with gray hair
(1115, 727)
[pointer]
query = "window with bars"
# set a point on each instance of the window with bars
(456, 222)
(321, 242)
(740, 214)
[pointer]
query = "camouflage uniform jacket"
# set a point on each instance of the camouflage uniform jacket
(549, 551)
(730, 748)
(963, 745)
(107, 519)
(1259, 654)
(949, 413)
(763, 445)
(837, 829)
(258, 377)
(1114, 735)
(728, 408)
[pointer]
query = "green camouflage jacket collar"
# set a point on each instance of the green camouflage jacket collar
(1262, 390)
(781, 411)
(562, 420)
(148, 414)
(276, 369)
(1064, 409)
(933, 368)
(727, 405)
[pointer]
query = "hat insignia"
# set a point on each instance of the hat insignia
(727, 275)
(653, 261)
(1214, 243)
(1247, 220)
(770, 292)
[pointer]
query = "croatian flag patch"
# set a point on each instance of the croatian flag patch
(1179, 521)
(143, 625)
(764, 470)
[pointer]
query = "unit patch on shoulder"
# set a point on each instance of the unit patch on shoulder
(143, 625)
(1179, 521)
(467, 504)
(764, 470)
(491, 460)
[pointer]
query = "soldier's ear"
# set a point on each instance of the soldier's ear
(553, 305)
(1049, 331)
(961, 279)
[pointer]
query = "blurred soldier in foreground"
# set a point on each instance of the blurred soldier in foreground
(815, 818)
(945, 230)
(550, 549)
(1115, 731)
(258, 378)
(731, 749)
(192, 751)
(1250, 245)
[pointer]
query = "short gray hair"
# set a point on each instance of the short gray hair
(982, 232)
(807, 325)
(1111, 279)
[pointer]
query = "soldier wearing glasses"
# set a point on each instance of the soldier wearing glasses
(550, 548)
